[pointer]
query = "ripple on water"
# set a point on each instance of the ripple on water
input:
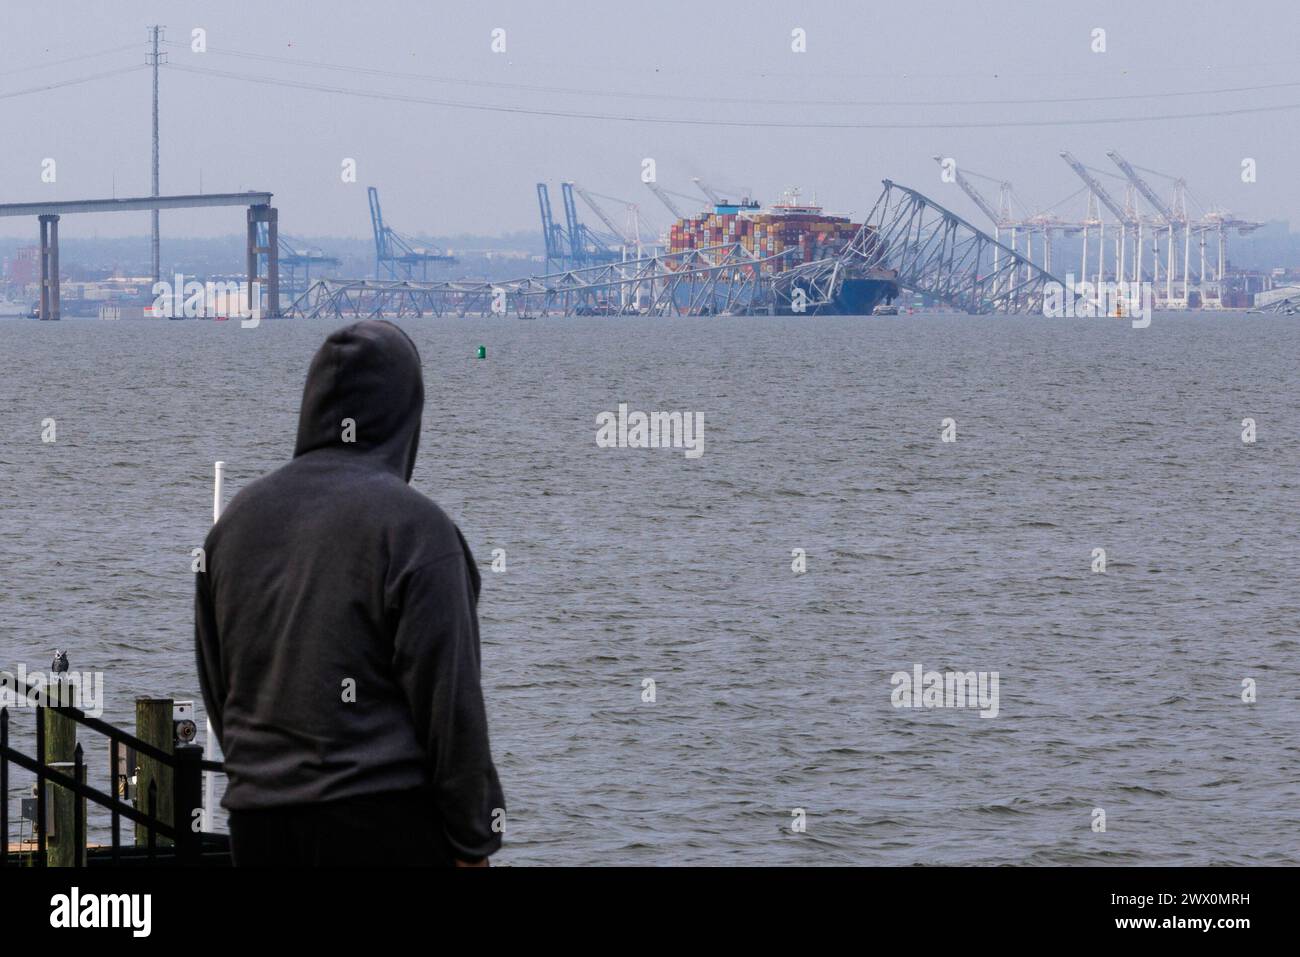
(772, 690)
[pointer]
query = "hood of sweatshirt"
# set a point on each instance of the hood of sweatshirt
(364, 397)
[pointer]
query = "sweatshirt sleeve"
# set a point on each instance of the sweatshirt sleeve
(208, 652)
(436, 659)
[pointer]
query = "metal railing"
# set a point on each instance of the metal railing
(190, 846)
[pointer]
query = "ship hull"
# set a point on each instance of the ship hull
(858, 297)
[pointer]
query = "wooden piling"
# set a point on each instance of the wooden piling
(153, 725)
(60, 750)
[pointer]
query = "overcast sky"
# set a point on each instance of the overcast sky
(445, 169)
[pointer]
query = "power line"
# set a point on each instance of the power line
(591, 63)
(621, 65)
(71, 59)
(746, 100)
(83, 79)
(1091, 75)
(757, 124)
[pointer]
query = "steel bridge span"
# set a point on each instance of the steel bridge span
(937, 252)
(908, 238)
(717, 280)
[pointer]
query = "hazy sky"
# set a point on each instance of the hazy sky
(445, 169)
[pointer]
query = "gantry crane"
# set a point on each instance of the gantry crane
(630, 234)
(1126, 217)
(553, 237)
(665, 196)
(704, 188)
(716, 198)
(586, 248)
(295, 256)
(1000, 217)
(662, 195)
(1172, 220)
(395, 256)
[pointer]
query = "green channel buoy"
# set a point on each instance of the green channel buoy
(482, 352)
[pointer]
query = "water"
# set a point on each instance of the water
(1119, 691)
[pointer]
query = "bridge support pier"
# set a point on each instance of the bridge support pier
(49, 266)
(257, 215)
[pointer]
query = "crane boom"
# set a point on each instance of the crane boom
(742, 193)
(976, 197)
(377, 223)
(552, 232)
(604, 217)
(663, 198)
(585, 246)
(1143, 187)
(1098, 190)
(395, 253)
(572, 227)
(712, 194)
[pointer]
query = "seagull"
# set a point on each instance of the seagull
(60, 663)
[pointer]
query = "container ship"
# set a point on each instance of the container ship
(804, 233)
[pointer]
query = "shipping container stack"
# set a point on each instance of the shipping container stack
(812, 235)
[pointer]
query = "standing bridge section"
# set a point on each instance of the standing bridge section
(262, 249)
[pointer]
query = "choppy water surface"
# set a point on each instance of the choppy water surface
(1119, 691)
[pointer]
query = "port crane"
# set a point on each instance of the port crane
(717, 198)
(1145, 189)
(630, 235)
(1000, 217)
(553, 235)
(1172, 220)
(586, 247)
(662, 195)
(1175, 215)
(570, 245)
(666, 197)
(395, 255)
(712, 196)
(1003, 219)
(1125, 214)
(295, 256)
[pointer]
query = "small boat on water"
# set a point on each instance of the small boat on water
(885, 309)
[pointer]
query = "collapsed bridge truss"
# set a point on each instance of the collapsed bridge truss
(907, 239)
(718, 280)
(936, 252)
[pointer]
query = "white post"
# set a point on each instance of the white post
(997, 241)
(1169, 271)
(210, 742)
(1083, 259)
(1137, 254)
(1101, 257)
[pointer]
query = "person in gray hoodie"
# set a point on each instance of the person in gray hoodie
(337, 638)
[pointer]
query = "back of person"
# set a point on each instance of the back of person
(337, 636)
